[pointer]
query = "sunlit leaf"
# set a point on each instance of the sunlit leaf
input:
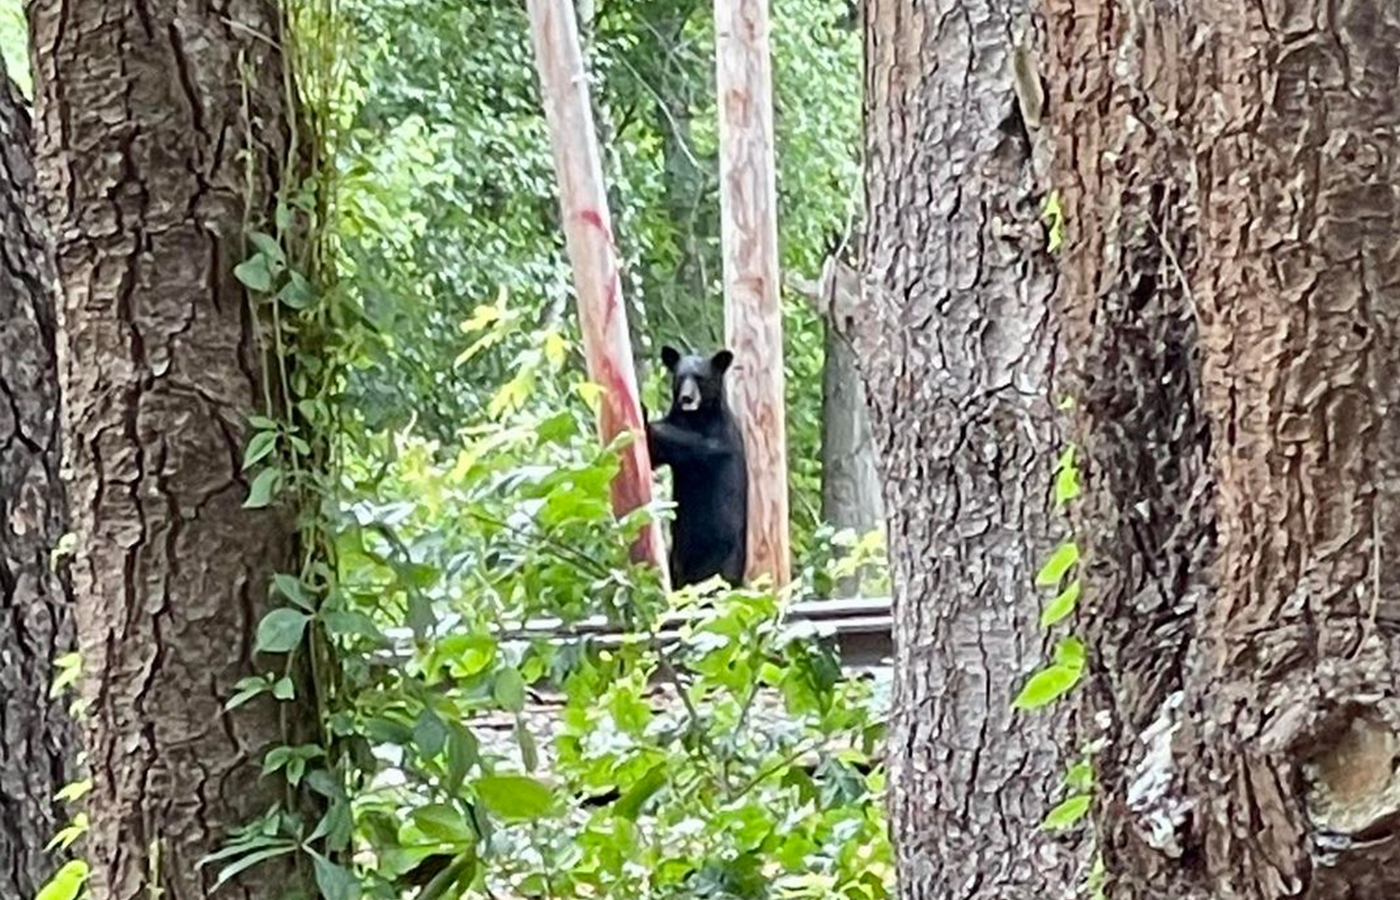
(515, 798)
(1059, 564)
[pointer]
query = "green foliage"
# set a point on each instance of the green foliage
(1060, 573)
(14, 45)
(1053, 214)
(447, 196)
(67, 883)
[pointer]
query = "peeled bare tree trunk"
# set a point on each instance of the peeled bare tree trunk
(36, 621)
(145, 111)
(583, 203)
(957, 352)
(1230, 174)
(753, 311)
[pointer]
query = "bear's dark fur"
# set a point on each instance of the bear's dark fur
(700, 440)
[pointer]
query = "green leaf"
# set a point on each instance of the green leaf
(1054, 215)
(1070, 652)
(284, 689)
(443, 823)
(1068, 813)
(1066, 478)
(525, 739)
(290, 586)
(515, 798)
(1060, 562)
(255, 273)
(262, 423)
(69, 833)
(297, 293)
(70, 669)
(267, 246)
(263, 489)
(462, 753)
(429, 734)
(247, 688)
(280, 631)
(229, 872)
(1063, 604)
(629, 805)
(351, 623)
(335, 881)
(1080, 777)
(66, 883)
(75, 790)
(1047, 686)
(509, 689)
(263, 443)
(336, 826)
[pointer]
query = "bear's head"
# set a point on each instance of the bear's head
(697, 383)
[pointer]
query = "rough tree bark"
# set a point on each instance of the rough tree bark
(1230, 176)
(146, 113)
(956, 353)
(36, 622)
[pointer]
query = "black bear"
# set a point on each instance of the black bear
(700, 440)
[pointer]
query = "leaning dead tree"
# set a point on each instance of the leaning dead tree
(588, 232)
(752, 291)
(851, 492)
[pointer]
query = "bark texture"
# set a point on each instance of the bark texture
(1230, 175)
(161, 125)
(956, 353)
(850, 481)
(851, 490)
(583, 202)
(753, 309)
(36, 622)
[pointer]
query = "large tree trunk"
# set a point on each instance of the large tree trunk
(145, 110)
(1230, 171)
(35, 615)
(956, 356)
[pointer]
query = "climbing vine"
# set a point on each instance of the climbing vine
(731, 753)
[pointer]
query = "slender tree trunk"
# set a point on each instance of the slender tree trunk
(851, 491)
(1230, 177)
(36, 622)
(753, 312)
(850, 481)
(956, 354)
(156, 120)
(588, 232)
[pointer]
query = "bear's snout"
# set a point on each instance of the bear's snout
(689, 395)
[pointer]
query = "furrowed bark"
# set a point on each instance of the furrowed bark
(161, 129)
(36, 620)
(1230, 177)
(956, 353)
(588, 233)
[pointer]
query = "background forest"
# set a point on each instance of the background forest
(464, 488)
(317, 582)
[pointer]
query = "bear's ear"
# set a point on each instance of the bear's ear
(721, 361)
(670, 357)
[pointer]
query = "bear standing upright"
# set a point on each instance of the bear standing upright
(700, 440)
